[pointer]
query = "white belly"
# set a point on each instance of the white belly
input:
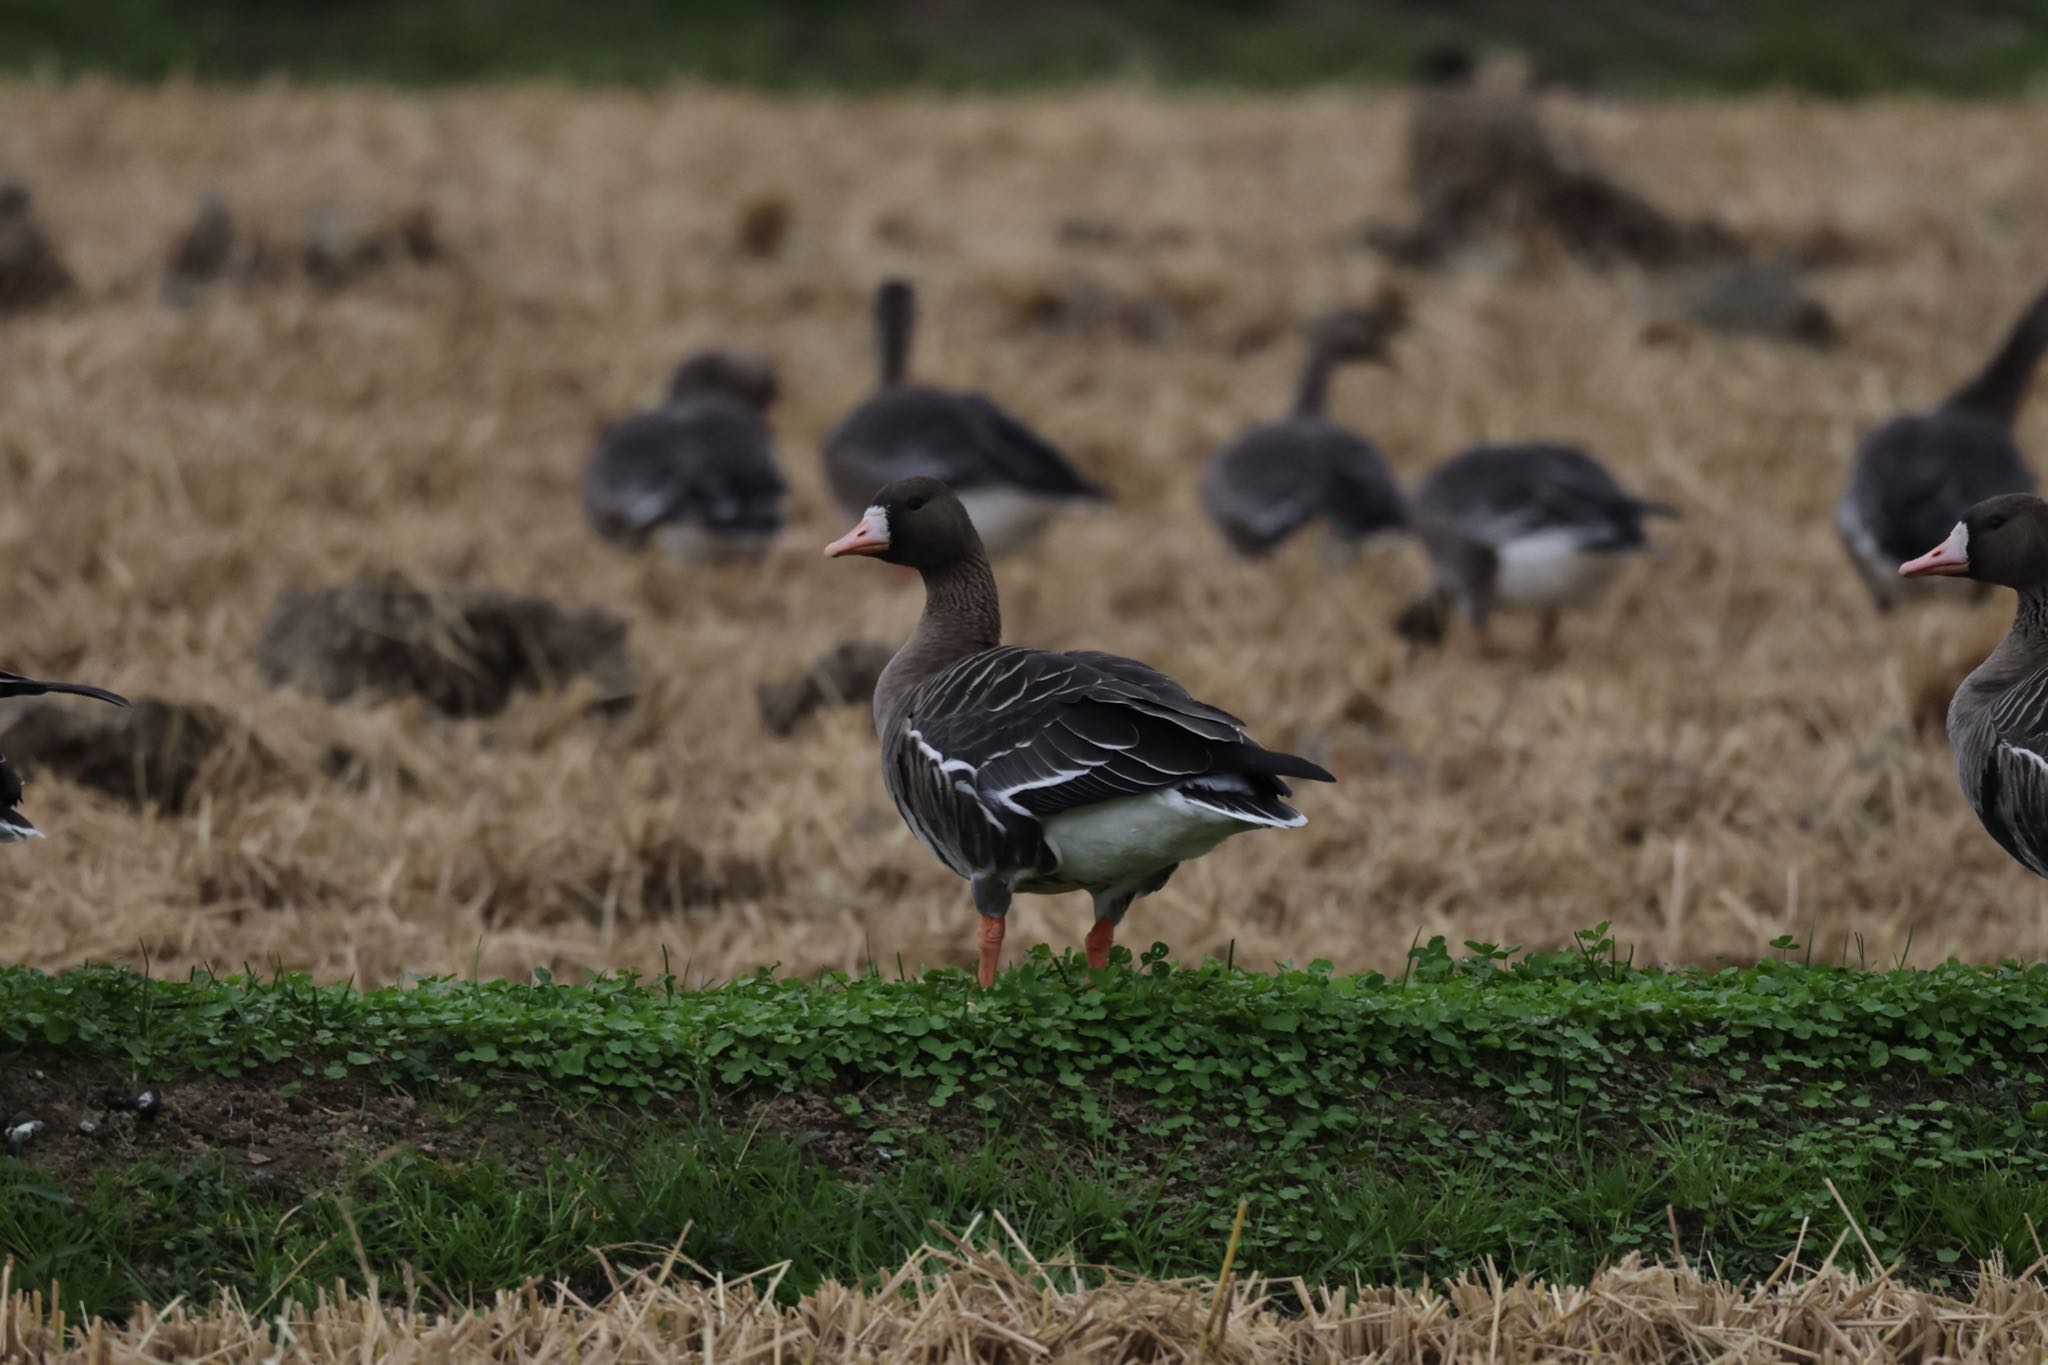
(1548, 570)
(1006, 517)
(1114, 843)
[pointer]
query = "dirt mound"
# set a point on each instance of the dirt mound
(464, 651)
(32, 274)
(336, 247)
(1482, 164)
(155, 752)
(1764, 298)
(844, 675)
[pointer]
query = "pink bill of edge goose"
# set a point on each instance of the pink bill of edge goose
(1277, 477)
(1011, 478)
(14, 826)
(1037, 772)
(1916, 475)
(1998, 719)
(1537, 527)
(696, 476)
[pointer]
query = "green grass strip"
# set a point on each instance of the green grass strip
(1545, 1111)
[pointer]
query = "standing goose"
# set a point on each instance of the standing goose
(1029, 771)
(14, 826)
(1269, 482)
(1916, 475)
(696, 475)
(1534, 527)
(1011, 479)
(1998, 720)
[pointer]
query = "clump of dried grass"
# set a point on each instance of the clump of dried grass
(1482, 163)
(153, 753)
(465, 652)
(844, 675)
(32, 273)
(961, 1303)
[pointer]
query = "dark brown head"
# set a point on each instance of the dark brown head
(2001, 540)
(918, 523)
(740, 375)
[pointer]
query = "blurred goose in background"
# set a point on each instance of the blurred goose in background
(1536, 527)
(697, 475)
(1028, 771)
(1011, 479)
(1275, 478)
(14, 826)
(1998, 720)
(1916, 475)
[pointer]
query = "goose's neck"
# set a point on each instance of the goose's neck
(2000, 388)
(962, 616)
(2024, 646)
(1312, 394)
(893, 326)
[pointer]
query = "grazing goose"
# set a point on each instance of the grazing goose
(1916, 475)
(1011, 479)
(14, 826)
(1533, 527)
(1269, 482)
(1998, 720)
(696, 475)
(1028, 771)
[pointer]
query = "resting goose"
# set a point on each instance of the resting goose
(1915, 475)
(1011, 479)
(698, 474)
(1998, 720)
(1268, 483)
(14, 826)
(1029, 771)
(1535, 527)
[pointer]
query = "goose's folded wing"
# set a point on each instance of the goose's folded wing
(2012, 783)
(1034, 733)
(1019, 456)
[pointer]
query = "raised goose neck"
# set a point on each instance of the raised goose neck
(1313, 392)
(2001, 386)
(962, 616)
(893, 323)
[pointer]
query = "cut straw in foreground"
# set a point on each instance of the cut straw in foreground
(962, 1302)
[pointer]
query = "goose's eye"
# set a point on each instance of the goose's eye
(914, 504)
(1994, 523)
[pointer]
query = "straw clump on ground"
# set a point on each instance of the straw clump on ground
(174, 471)
(962, 1304)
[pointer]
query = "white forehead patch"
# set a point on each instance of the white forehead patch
(876, 519)
(1958, 542)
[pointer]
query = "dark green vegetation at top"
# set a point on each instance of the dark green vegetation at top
(1543, 1110)
(1830, 46)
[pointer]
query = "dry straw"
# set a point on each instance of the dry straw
(961, 1303)
(1732, 747)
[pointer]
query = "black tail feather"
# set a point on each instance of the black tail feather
(14, 685)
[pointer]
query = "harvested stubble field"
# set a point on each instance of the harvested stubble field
(1728, 749)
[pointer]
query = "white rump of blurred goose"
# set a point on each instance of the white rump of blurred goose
(697, 475)
(1028, 771)
(14, 826)
(1536, 527)
(1274, 479)
(1998, 719)
(1917, 474)
(1011, 479)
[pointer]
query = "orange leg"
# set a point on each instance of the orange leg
(991, 935)
(1099, 939)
